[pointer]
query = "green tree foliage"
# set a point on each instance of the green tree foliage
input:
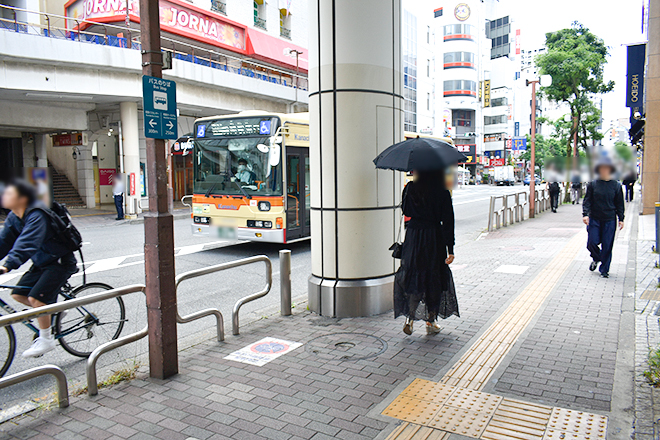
(624, 151)
(575, 59)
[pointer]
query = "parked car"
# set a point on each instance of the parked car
(528, 179)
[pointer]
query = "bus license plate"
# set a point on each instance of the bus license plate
(227, 232)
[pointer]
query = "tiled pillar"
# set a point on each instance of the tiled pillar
(85, 165)
(651, 164)
(355, 113)
(131, 151)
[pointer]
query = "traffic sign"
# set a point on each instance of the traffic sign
(159, 103)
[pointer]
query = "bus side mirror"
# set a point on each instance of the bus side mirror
(275, 155)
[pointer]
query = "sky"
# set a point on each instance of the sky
(617, 22)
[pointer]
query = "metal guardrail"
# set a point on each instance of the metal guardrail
(53, 370)
(509, 211)
(542, 200)
(186, 197)
(25, 315)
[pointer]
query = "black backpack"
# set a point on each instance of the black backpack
(66, 233)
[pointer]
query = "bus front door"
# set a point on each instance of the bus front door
(297, 193)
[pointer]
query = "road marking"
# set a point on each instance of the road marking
(471, 201)
(503, 418)
(187, 250)
(106, 264)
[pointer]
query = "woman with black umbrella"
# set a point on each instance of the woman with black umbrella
(423, 285)
(424, 288)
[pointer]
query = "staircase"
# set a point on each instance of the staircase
(63, 191)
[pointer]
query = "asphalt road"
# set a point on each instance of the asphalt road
(113, 255)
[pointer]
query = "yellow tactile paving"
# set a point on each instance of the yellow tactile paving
(455, 405)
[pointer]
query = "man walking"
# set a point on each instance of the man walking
(29, 234)
(554, 191)
(602, 205)
(118, 193)
(629, 184)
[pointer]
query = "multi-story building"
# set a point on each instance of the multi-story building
(71, 89)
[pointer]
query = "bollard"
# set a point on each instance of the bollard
(285, 282)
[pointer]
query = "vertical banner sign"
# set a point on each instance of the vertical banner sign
(635, 76)
(517, 41)
(481, 86)
(487, 93)
(516, 128)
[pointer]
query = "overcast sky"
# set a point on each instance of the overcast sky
(617, 22)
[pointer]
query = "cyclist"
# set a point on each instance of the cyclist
(29, 234)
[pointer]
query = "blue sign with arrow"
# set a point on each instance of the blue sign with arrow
(159, 103)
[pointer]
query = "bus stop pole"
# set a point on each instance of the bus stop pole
(158, 222)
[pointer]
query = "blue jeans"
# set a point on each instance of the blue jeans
(119, 204)
(601, 241)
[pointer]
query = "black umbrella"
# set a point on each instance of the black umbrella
(419, 154)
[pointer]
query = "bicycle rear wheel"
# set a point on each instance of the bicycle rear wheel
(7, 348)
(84, 328)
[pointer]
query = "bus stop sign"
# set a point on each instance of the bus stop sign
(159, 103)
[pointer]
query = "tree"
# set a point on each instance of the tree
(546, 151)
(575, 59)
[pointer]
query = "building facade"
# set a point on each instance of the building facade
(71, 97)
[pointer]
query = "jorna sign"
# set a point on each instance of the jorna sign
(179, 18)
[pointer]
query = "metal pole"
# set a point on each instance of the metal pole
(158, 222)
(657, 228)
(285, 282)
(532, 178)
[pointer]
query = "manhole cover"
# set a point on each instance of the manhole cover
(346, 346)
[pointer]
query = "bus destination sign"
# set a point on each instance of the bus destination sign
(236, 127)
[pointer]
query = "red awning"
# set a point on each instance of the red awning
(274, 50)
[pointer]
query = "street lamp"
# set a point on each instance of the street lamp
(296, 53)
(544, 81)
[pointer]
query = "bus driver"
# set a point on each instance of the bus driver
(243, 174)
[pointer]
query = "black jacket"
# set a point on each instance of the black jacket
(604, 201)
(30, 237)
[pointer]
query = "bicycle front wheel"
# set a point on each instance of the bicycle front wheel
(84, 328)
(7, 348)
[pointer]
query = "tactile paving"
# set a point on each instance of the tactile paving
(412, 410)
(460, 421)
(474, 401)
(428, 391)
(583, 424)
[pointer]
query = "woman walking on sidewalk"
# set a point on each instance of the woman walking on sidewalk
(602, 204)
(424, 287)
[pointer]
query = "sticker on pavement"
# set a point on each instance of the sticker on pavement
(263, 351)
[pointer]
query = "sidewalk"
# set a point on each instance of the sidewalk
(539, 336)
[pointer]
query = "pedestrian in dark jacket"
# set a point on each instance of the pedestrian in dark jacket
(29, 235)
(629, 185)
(602, 205)
(554, 191)
(424, 288)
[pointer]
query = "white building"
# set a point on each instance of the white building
(71, 76)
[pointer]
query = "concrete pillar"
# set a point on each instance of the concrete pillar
(40, 152)
(355, 113)
(85, 166)
(131, 151)
(651, 164)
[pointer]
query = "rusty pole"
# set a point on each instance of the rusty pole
(158, 222)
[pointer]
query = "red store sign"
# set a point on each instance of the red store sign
(497, 162)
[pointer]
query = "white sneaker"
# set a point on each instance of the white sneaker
(39, 347)
(432, 328)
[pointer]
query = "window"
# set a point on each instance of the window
(460, 87)
(409, 71)
(428, 34)
(462, 118)
(260, 14)
(498, 31)
(458, 32)
(492, 120)
(428, 68)
(454, 60)
(428, 101)
(219, 6)
(285, 24)
(498, 102)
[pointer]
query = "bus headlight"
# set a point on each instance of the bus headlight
(264, 206)
(265, 224)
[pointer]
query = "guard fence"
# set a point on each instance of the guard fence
(92, 383)
(512, 208)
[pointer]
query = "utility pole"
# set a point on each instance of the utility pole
(158, 222)
(545, 81)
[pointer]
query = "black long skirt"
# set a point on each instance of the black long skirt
(424, 286)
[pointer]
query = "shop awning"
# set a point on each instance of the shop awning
(276, 51)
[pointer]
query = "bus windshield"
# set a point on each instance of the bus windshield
(237, 166)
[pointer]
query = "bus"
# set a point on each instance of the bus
(251, 176)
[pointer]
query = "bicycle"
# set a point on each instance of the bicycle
(79, 331)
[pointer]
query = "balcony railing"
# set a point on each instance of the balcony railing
(260, 23)
(56, 27)
(285, 32)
